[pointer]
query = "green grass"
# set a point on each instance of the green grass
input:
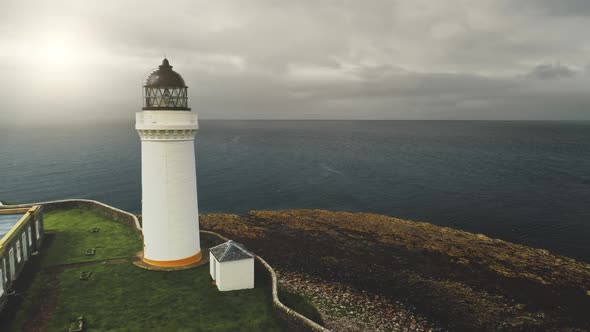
(72, 237)
(124, 297)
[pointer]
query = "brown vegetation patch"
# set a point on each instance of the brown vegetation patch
(460, 280)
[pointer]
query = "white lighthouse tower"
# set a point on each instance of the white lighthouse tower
(167, 128)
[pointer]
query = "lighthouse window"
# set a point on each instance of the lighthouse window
(29, 237)
(165, 97)
(18, 251)
(24, 244)
(37, 229)
(11, 263)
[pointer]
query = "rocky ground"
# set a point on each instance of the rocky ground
(371, 272)
(344, 308)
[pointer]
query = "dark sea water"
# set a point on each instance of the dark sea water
(526, 182)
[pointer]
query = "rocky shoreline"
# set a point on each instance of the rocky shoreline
(372, 272)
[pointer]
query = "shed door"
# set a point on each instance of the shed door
(214, 269)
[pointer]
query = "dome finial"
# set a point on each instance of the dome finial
(165, 77)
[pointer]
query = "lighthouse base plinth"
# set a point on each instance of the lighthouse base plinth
(175, 265)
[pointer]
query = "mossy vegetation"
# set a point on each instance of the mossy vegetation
(120, 296)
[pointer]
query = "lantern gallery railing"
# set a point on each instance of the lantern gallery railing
(17, 246)
(165, 97)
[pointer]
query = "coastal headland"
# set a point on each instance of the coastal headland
(366, 271)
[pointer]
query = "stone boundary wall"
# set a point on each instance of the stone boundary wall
(96, 206)
(294, 320)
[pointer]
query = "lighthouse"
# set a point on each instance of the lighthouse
(167, 128)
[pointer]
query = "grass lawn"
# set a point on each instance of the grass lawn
(123, 297)
(73, 237)
(128, 298)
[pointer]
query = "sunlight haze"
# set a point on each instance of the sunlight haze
(405, 59)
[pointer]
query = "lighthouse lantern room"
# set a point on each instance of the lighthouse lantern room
(167, 128)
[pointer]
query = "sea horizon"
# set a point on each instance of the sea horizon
(520, 181)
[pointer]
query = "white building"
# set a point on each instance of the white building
(231, 266)
(167, 128)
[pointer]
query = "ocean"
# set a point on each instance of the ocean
(525, 182)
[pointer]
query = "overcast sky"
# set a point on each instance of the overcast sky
(299, 59)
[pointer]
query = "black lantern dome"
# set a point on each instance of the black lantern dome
(164, 89)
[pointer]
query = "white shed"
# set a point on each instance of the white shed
(231, 266)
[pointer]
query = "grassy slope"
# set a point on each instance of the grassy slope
(126, 298)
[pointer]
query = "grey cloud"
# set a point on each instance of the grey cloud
(307, 59)
(551, 71)
(552, 7)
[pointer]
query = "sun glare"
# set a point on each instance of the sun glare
(57, 54)
(53, 54)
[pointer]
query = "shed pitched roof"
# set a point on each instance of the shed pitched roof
(230, 251)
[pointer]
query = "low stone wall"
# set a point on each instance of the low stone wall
(95, 206)
(292, 319)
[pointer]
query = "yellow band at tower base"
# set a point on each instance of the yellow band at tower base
(175, 263)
